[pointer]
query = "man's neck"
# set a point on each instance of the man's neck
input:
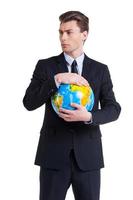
(75, 54)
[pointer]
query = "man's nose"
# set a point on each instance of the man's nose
(63, 36)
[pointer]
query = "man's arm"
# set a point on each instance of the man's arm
(43, 87)
(110, 108)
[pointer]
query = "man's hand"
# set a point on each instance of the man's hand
(80, 114)
(71, 78)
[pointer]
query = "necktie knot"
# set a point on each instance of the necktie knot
(73, 67)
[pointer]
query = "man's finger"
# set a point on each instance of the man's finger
(64, 116)
(75, 105)
(62, 110)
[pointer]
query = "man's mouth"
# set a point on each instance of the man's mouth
(64, 45)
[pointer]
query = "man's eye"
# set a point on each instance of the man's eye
(69, 32)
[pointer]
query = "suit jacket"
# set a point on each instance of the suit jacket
(58, 137)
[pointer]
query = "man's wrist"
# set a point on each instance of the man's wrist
(89, 119)
(56, 81)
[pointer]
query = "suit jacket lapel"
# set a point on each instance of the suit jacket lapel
(86, 70)
(61, 62)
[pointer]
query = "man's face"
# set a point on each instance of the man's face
(71, 38)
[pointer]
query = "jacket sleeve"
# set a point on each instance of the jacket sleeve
(110, 108)
(40, 89)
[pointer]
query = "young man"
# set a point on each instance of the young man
(70, 148)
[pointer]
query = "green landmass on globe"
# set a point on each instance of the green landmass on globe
(70, 93)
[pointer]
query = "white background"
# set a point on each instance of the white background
(28, 32)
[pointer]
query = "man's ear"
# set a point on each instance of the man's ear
(85, 35)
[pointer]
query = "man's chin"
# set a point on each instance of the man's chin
(66, 51)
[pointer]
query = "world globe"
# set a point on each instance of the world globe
(70, 93)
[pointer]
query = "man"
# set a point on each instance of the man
(70, 148)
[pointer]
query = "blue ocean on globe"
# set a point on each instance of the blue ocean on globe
(70, 93)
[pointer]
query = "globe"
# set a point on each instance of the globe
(70, 93)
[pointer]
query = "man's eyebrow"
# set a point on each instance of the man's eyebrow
(65, 30)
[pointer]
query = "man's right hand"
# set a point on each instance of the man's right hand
(71, 78)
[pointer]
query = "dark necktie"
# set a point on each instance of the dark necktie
(74, 68)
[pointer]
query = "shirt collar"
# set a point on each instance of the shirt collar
(70, 60)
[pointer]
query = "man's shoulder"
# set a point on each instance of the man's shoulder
(49, 59)
(96, 63)
(47, 64)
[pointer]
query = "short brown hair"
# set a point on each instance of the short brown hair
(82, 20)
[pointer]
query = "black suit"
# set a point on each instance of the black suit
(58, 137)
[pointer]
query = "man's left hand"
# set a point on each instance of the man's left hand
(80, 114)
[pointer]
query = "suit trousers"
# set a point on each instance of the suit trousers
(55, 183)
